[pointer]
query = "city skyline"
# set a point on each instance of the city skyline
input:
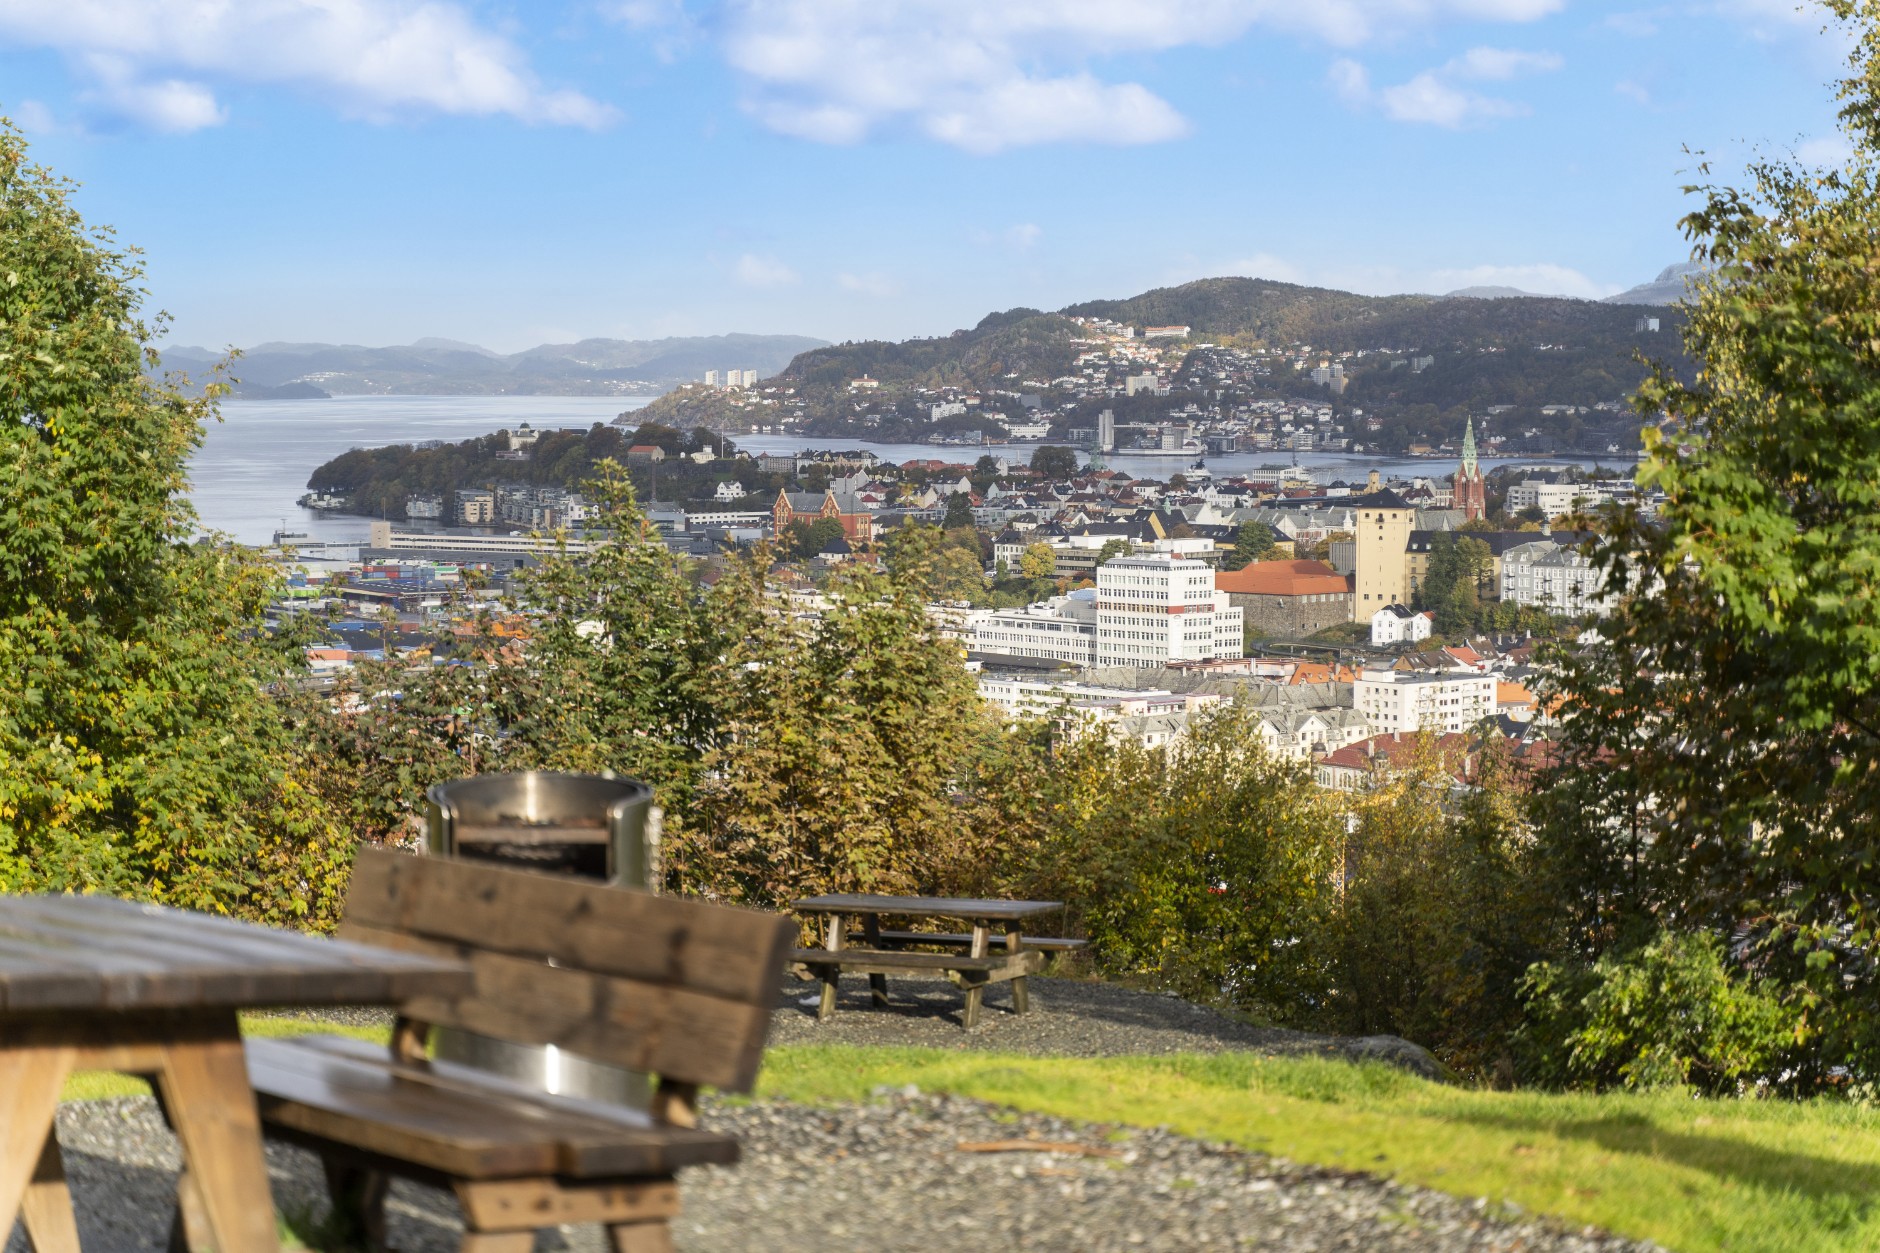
(378, 171)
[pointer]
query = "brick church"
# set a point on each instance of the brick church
(1471, 494)
(858, 524)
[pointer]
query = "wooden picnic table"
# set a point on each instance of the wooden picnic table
(90, 982)
(886, 951)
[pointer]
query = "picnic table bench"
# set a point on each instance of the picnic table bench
(673, 987)
(890, 952)
(89, 982)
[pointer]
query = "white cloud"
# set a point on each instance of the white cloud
(1023, 235)
(153, 61)
(1824, 150)
(1542, 279)
(1434, 98)
(755, 271)
(1635, 92)
(873, 283)
(986, 75)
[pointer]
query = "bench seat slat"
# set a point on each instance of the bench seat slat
(460, 1121)
(1045, 943)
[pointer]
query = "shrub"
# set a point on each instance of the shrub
(1672, 1012)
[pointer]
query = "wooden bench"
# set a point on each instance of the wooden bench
(677, 988)
(939, 939)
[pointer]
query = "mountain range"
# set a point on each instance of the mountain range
(592, 367)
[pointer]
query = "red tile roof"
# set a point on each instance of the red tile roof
(1282, 578)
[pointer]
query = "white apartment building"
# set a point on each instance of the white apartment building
(1560, 580)
(1398, 701)
(1554, 499)
(1158, 608)
(1063, 628)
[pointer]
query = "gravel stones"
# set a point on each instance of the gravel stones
(888, 1175)
(1068, 1018)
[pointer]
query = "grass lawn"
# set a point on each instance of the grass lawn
(1690, 1174)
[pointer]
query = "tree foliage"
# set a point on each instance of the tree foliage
(139, 753)
(1723, 766)
(1054, 461)
(1252, 542)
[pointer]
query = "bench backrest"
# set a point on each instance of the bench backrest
(652, 983)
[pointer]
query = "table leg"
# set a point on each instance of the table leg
(204, 1082)
(47, 1209)
(1021, 994)
(976, 992)
(30, 1079)
(877, 984)
(832, 975)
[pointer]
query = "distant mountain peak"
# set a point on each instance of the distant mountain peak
(1668, 288)
(452, 345)
(1495, 293)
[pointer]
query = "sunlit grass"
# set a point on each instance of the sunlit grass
(1690, 1174)
(93, 1085)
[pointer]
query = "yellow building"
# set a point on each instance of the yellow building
(1381, 567)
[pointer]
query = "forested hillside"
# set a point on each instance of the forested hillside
(1468, 354)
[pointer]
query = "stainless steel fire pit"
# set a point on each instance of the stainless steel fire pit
(584, 825)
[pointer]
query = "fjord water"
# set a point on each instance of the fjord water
(253, 465)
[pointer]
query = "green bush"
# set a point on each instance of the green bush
(1672, 1012)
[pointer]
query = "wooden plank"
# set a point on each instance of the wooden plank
(206, 1094)
(496, 1242)
(832, 972)
(47, 1207)
(641, 1026)
(1021, 990)
(528, 1204)
(648, 1237)
(976, 990)
(715, 949)
(30, 1079)
(461, 1122)
(858, 960)
(924, 906)
(331, 1099)
(596, 1139)
(942, 939)
(94, 952)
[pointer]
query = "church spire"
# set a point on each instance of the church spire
(1468, 449)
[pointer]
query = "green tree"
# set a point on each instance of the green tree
(959, 512)
(1722, 738)
(1112, 549)
(1252, 542)
(804, 538)
(1452, 588)
(1054, 461)
(140, 753)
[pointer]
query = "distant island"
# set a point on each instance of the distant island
(442, 367)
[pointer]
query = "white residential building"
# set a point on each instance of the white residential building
(1400, 701)
(1560, 580)
(1063, 628)
(1394, 624)
(1554, 499)
(1158, 608)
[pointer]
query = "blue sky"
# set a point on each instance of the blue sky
(373, 171)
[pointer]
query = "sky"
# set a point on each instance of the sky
(508, 174)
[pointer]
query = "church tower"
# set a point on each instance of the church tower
(1471, 494)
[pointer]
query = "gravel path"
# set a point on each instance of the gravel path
(890, 1175)
(1068, 1018)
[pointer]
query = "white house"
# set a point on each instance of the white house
(1560, 580)
(729, 491)
(1394, 624)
